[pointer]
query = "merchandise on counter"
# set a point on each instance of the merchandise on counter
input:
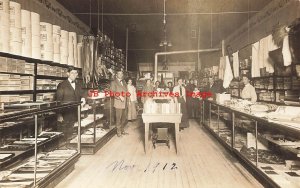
(12, 147)
(7, 124)
(88, 135)
(5, 156)
(259, 108)
(221, 98)
(282, 140)
(264, 156)
(39, 105)
(49, 134)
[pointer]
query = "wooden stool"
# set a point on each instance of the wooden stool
(161, 136)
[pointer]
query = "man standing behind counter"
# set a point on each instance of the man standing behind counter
(120, 102)
(69, 91)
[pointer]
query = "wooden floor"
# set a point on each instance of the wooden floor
(122, 163)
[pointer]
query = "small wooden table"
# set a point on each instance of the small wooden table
(161, 118)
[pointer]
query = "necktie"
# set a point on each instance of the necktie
(73, 82)
(180, 89)
(121, 82)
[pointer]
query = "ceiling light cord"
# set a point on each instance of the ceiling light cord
(211, 28)
(90, 14)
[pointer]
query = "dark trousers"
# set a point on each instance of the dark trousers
(189, 105)
(66, 128)
(121, 119)
(184, 119)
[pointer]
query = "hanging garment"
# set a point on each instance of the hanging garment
(286, 53)
(85, 60)
(255, 71)
(222, 68)
(261, 53)
(271, 46)
(228, 76)
(236, 69)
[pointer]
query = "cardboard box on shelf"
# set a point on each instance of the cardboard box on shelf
(12, 65)
(3, 64)
(9, 98)
(10, 88)
(9, 76)
(10, 82)
(20, 66)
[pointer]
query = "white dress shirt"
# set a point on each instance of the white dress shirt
(176, 89)
(249, 93)
(72, 84)
(121, 82)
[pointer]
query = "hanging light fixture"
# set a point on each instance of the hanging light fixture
(164, 42)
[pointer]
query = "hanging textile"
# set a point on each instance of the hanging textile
(86, 60)
(236, 69)
(255, 71)
(286, 53)
(263, 47)
(228, 76)
(271, 46)
(222, 67)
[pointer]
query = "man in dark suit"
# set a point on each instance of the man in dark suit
(214, 87)
(68, 91)
(119, 86)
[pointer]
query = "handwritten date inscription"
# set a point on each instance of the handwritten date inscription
(151, 167)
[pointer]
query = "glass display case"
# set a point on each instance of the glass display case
(270, 148)
(32, 151)
(96, 130)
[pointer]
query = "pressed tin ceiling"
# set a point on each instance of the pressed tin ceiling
(212, 20)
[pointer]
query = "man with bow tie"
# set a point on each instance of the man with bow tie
(120, 102)
(69, 91)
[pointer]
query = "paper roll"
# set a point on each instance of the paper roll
(46, 28)
(4, 6)
(35, 18)
(64, 34)
(36, 42)
(48, 56)
(56, 48)
(4, 19)
(79, 38)
(56, 58)
(64, 52)
(25, 18)
(4, 33)
(64, 60)
(70, 61)
(46, 47)
(26, 47)
(35, 24)
(35, 30)
(26, 25)
(46, 38)
(36, 53)
(4, 46)
(15, 47)
(15, 14)
(56, 39)
(26, 32)
(15, 34)
(72, 37)
(56, 29)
